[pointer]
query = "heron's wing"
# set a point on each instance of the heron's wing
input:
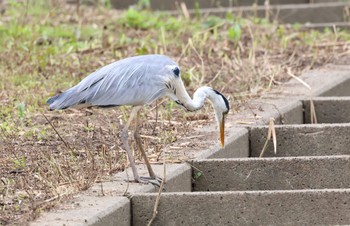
(132, 81)
(122, 84)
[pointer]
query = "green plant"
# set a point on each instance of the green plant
(21, 111)
(197, 10)
(235, 32)
(197, 175)
(138, 19)
(20, 163)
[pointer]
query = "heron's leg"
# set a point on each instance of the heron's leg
(143, 153)
(125, 144)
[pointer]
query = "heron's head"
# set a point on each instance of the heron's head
(221, 108)
(219, 103)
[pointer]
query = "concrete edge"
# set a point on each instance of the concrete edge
(275, 159)
(328, 109)
(280, 173)
(273, 104)
(237, 145)
(260, 7)
(323, 125)
(315, 207)
(180, 179)
(99, 210)
(246, 192)
(322, 98)
(119, 211)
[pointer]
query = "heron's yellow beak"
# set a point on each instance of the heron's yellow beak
(222, 132)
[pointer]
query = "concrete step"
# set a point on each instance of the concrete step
(191, 4)
(340, 90)
(296, 11)
(302, 140)
(330, 12)
(286, 173)
(300, 207)
(329, 109)
(202, 4)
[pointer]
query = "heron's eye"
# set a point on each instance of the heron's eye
(176, 71)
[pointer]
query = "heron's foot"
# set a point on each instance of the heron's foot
(155, 177)
(156, 181)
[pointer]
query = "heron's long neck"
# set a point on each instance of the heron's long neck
(198, 98)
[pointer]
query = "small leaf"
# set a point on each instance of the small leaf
(197, 175)
(235, 33)
(21, 110)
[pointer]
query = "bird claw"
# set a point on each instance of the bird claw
(156, 181)
(155, 178)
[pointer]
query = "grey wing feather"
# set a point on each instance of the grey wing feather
(132, 81)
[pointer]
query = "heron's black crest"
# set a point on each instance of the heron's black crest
(225, 100)
(176, 71)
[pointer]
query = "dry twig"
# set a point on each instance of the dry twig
(270, 134)
(313, 116)
(155, 209)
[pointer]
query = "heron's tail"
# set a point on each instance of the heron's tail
(64, 100)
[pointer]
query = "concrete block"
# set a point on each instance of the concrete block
(311, 13)
(330, 25)
(88, 210)
(272, 173)
(237, 146)
(332, 81)
(117, 213)
(191, 4)
(284, 102)
(259, 112)
(329, 109)
(179, 179)
(104, 204)
(302, 207)
(292, 13)
(284, 112)
(291, 113)
(342, 89)
(302, 140)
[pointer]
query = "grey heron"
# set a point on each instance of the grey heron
(139, 81)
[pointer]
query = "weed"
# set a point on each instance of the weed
(21, 111)
(234, 33)
(19, 163)
(197, 175)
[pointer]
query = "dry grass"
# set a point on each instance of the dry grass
(46, 47)
(271, 134)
